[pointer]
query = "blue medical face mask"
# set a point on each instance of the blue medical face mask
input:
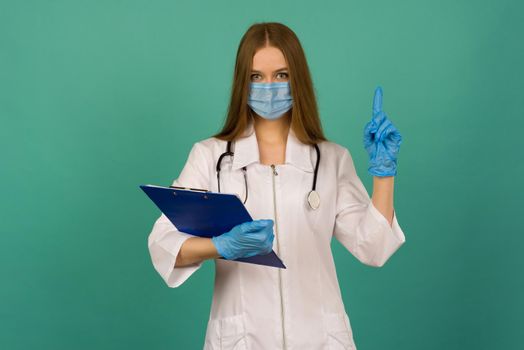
(270, 100)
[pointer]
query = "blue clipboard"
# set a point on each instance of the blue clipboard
(204, 213)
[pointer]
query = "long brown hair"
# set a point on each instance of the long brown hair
(305, 120)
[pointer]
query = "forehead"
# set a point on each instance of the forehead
(268, 58)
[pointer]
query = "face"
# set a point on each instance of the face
(269, 65)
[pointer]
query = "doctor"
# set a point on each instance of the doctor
(299, 199)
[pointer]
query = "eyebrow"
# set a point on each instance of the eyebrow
(278, 70)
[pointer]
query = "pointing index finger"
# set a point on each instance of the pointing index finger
(377, 101)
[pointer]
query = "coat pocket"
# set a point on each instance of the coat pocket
(340, 334)
(227, 333)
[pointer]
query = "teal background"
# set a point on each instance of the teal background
(98, 97)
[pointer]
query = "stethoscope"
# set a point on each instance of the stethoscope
(313, 197)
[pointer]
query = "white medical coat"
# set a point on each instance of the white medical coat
(300, 307)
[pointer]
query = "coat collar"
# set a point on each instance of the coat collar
(246, 150)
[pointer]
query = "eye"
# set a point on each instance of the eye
(254, 75)
(284, 74)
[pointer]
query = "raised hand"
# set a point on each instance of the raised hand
(381, 140)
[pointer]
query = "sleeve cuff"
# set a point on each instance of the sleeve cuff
(395, 229)
(165, 255)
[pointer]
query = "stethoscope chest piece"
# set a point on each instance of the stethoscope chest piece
(313, 199)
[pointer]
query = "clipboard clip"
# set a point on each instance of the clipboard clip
(189, 188)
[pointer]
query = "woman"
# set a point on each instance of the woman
(273, 124)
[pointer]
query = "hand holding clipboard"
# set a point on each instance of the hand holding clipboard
(245, 240)
(204, 213)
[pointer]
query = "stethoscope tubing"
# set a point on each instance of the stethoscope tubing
(313, 191)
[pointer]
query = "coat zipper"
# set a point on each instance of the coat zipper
(274, 173)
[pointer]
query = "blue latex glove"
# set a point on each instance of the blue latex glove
(246, 240)
(381, 140)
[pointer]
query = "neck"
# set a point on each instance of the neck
(272, 132)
